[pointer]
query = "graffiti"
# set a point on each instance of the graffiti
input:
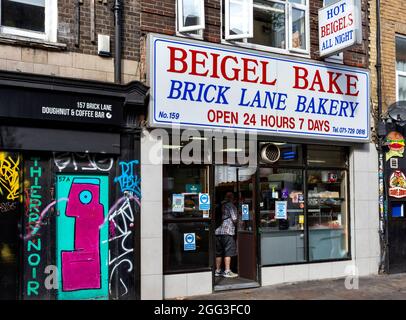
(121, 223)
(82, 248)
(33, 244)
(81, 267)
(82, 162)
(42, 216)
(9, 176)
(128, 180)
(7, 207)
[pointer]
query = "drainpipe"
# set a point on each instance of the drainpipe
(383, 267)
(118, 11)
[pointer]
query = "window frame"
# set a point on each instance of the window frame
(227, 35)
(180, 28)
(188, 220)
(304, 8)
(306, 167)
(398, 73)
(288, 32)
(51, 25)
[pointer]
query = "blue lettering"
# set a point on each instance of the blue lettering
(221, 98)
(301, 104)
(189, 88)
(175, 88)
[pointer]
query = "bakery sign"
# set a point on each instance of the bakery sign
(200, 85)
(397, 184)
(340, 26)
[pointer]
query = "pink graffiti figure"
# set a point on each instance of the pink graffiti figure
(81, 268)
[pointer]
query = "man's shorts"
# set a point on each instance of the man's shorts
(225, 246)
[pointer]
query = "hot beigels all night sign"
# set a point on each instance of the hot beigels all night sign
(200, 85)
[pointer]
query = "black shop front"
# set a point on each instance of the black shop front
(69, 188)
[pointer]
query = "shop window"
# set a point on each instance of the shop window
(303, 212)
(282, 216)
(179, 258)
(183, 215)
(29, 18)
(327, 214)
(190, 16)
(326, 156)
(279, 24)
(401, 68)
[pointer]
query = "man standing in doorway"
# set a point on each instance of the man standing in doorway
(225, 244)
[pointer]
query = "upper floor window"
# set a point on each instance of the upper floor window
(29, 18)
(190, 16)
(400, 68)
(279, 24)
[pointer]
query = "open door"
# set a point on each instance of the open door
(241, 182)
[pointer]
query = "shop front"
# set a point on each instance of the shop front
(283, 141)
(69, 189)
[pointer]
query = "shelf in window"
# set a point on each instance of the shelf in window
(328, 183)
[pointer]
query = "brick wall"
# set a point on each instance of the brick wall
(104, 24)
(393, 22)
(159, 17)
(69, 60)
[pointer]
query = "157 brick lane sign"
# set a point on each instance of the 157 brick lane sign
(199, 85)
(340, 26)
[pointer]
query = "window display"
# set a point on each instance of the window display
(281, 215)
(304, 219)
(327, 214)
(183, 190)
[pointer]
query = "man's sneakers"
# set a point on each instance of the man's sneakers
(218, 273)
(229, 274)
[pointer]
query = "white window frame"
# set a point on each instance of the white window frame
(51, 25)
(304, 8)
(399, 74)
(179, 12)
(286, 50)
(250, 8)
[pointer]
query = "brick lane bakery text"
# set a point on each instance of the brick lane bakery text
(204, 66)
(220, 86)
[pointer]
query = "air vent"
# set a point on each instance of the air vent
(270, 153)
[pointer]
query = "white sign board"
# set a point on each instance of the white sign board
(199, 85)
(340, 26)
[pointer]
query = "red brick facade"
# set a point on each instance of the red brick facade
(160, 17)
(104, 24)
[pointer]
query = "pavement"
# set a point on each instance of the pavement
(378, 287)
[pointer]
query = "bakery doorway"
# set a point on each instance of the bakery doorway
(236, 241)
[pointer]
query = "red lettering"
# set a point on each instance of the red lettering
(351, 85)
(236, 71)
(264, 74)
(173, 59)
(317, 81)
(215, 65)
(333, 76)
(195, 62)
(248, 70)
(302, 77)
